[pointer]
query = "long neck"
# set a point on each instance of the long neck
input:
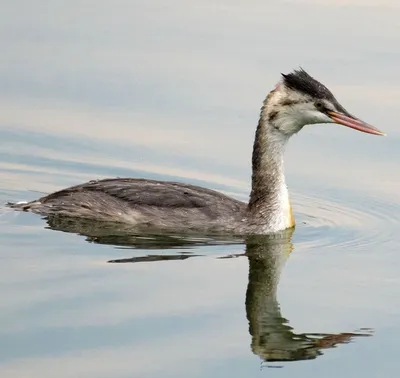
(269, 200)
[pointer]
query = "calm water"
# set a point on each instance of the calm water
(172, 90)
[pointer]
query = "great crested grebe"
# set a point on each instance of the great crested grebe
(296, 101)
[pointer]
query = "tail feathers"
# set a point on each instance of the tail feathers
(21, 205)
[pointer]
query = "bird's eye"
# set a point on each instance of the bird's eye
(319, 105)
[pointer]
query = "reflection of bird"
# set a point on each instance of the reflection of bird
(273, 338)
(297, 100)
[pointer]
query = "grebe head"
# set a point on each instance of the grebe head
(300, 100)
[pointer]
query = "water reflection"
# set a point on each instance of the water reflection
(123, 235)
(272, 337)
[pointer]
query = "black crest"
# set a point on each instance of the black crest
(300, 80)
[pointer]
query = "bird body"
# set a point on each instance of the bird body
(296, 101)
(145, 204)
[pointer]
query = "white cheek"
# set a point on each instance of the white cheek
(292, 121)
(317, 117)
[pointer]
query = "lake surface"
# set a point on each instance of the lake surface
(172, 90)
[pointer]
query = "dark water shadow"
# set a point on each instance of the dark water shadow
(272, 337)
(124, 236)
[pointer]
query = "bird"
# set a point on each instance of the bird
(297, 100)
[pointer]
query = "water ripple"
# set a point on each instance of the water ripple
(353, 221)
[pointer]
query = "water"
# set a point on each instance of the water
(172, 91)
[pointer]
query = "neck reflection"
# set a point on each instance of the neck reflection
(273, 339)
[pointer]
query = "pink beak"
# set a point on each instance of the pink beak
(354, 123)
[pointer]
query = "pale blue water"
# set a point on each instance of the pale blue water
(172, 90)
